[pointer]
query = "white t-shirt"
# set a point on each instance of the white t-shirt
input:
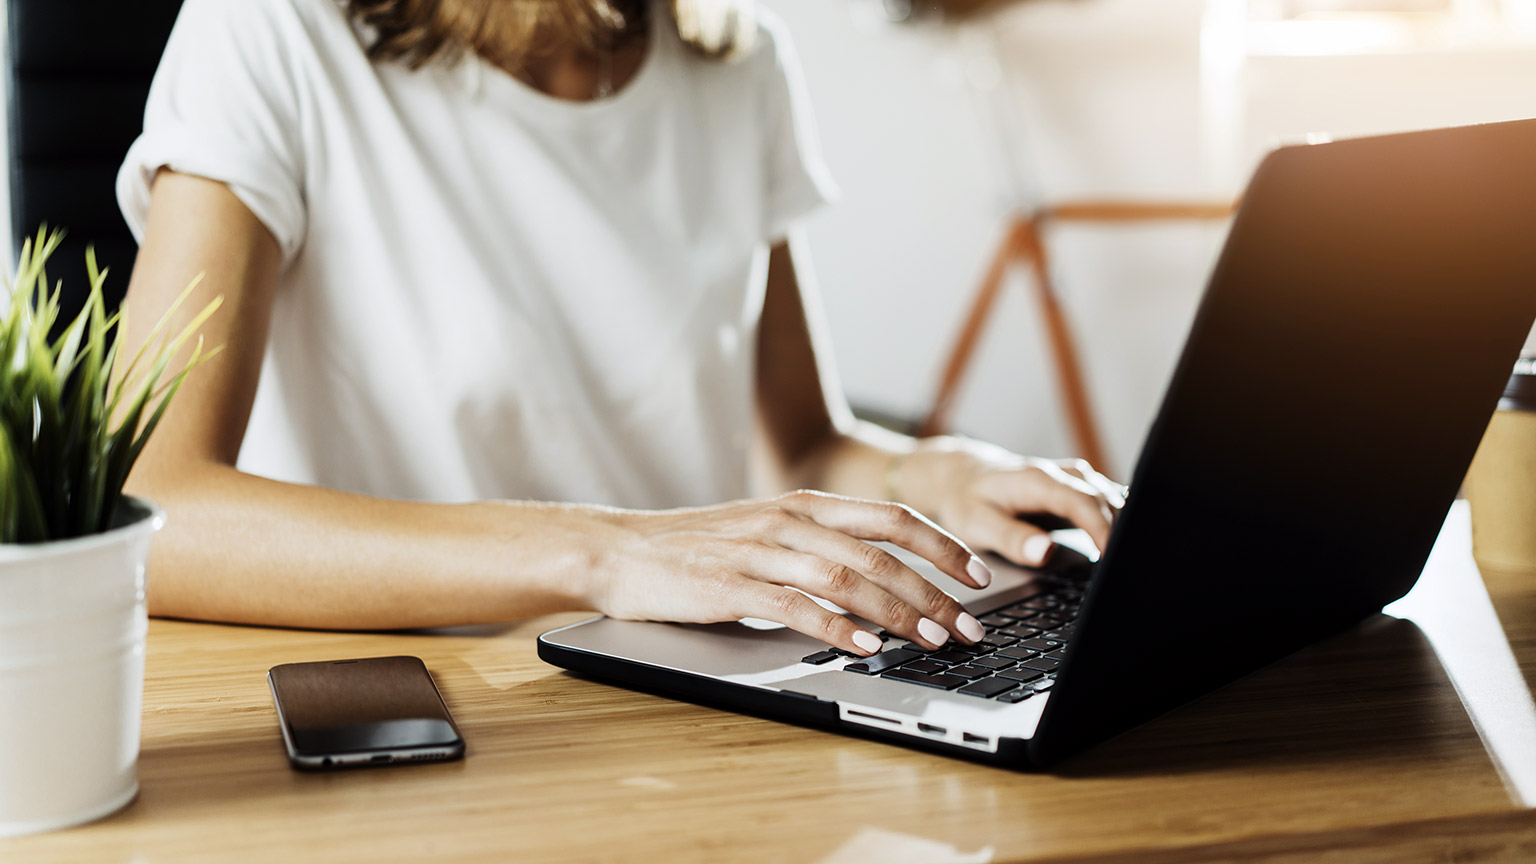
(488, 292)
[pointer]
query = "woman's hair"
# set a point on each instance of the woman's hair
(415, 32)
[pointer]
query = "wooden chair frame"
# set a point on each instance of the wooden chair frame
(1024, 243)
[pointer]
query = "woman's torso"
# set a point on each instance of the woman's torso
(497, 294)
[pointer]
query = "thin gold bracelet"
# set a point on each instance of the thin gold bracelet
(892, 469)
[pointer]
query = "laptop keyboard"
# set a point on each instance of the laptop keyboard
(1025, 643)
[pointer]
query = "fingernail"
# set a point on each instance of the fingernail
(970, 628)
(869, 642)
(1037, 548)
(979, 572)
(932, 632)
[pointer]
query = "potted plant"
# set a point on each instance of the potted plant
(72, 546)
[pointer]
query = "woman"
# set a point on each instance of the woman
(486, 256)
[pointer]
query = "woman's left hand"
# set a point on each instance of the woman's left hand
(982, 494)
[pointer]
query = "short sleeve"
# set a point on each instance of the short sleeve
(798, 180)
(224, 105)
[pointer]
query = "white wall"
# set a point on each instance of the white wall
(1108, 91)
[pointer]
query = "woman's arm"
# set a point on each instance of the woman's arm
(973, 489)
(246, 549)
(242, 548)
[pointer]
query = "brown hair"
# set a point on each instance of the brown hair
(415, 32)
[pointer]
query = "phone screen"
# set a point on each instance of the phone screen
(373, 711)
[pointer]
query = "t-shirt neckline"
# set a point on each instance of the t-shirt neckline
(496, 84)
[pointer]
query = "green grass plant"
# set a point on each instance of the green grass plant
(69, 431)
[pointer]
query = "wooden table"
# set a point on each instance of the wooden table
(1395, 742)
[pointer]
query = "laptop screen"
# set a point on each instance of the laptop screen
(1357, 331)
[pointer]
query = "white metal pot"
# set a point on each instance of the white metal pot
(72, 625)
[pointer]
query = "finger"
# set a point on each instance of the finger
(894, 523)
(758, 599)
(1000, 531)
(1082, 503)
(871, 583)
(1113, 493)
(1045, 487)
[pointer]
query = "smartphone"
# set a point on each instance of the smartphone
(372, 711)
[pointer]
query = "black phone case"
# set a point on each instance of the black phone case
(364, 712)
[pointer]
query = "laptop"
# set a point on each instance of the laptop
(1355, 336)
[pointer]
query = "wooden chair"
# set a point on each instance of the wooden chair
(1024, 243)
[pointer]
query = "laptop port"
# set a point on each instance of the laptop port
(931, 729)
(876, 717)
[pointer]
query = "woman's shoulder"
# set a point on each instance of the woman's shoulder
(267, 24)
(770, 42)
(764, 50)
(253, 12)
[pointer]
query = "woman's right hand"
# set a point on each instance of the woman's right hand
(746, 559)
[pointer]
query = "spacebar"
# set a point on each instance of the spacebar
(940, 681)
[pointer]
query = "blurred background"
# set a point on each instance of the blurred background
(939, 127)
(943, 122)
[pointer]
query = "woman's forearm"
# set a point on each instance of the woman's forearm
(868, 461)
(851, 460)
(246, 549)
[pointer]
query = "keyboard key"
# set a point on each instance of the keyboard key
(820, 657)
(927, 666)
(1016, 695)
(969, 672)
(882, 661)
(913, 646)
(1061, 634)
(940, 682)
(1047, 622)
(995, 641)
(986, 688)
(951, 656)
(1027, 593)
(1058, 654)
(1040, 664)
(1020, 632)
(996, 620)
(1042, 686)
(993, 662)
(1017, 652)
(1040, 644)
(1021, 675)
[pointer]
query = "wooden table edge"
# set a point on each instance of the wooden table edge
(1481, 837)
